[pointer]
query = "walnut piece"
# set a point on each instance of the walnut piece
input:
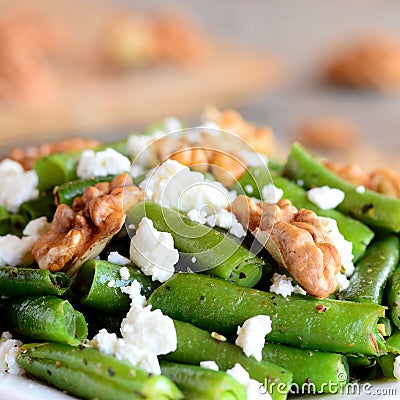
(372, 62)
(383, 180)
(27, 156)
(328, 133)
(81, 232)
(260, 138)
(297, 240)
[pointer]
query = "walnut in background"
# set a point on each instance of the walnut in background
(371, 62)
(328, 133)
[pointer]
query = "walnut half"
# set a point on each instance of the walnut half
(296, 239)
(81, 232)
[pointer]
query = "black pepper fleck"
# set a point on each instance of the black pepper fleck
(366, 207)
(111, 371)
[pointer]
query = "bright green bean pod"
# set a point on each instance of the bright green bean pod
(199, 383)
(215, 252)
(305, 322)
(90, 374)
(393, 342)
(372, 271)
(66, 193)
(43, 206)
(370, 207)
(92, 286)
(386, 364)
(323, 372)
(354, 231)
(196, 345)
(58, 168)
(4, 221)
(15, 282)
(393, 297)
(43, 318)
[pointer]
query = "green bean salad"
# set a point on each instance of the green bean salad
(185, 263)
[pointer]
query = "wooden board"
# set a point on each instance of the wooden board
(129, 102)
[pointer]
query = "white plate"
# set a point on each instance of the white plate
(19, 388)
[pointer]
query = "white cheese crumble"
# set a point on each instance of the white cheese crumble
(111, 283)
(271, 194)
(17, 185)
(101, 163)
(249, 189)
(396, 368)
(209, 365)
(134, 292)
(251, 336)
(226, 220)
(300, 182)
(282, 284)
(153, 251)
(115, 258)
(136, 170)
(174, 185)
(139, 146)
(151, 331)
(325, 197)
(254, 389)
(109, 343)
(124, 273)
(253, 159)
(344, 247)
(141, 152)
(342, 282)
(9, 349)
(16, 251)
(197, 216)
(145, 334)
(360, 189)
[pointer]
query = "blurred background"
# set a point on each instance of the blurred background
(326, 73)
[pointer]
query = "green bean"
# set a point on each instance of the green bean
(89, 374)
(393, 342)
(386, 364)
(354, 231)
(393, 297)
(43, 318)
(372, 208)
(91, 285)
(311, 323)
(43, 206)
(324, 372)
(356, 361)
(372, 271)
(199, 383)
(66, 193)
(4, 221)
(15, 282)
(196, 345)
(15, 224)
(215, 253)
(58, 168)
(98, 320)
